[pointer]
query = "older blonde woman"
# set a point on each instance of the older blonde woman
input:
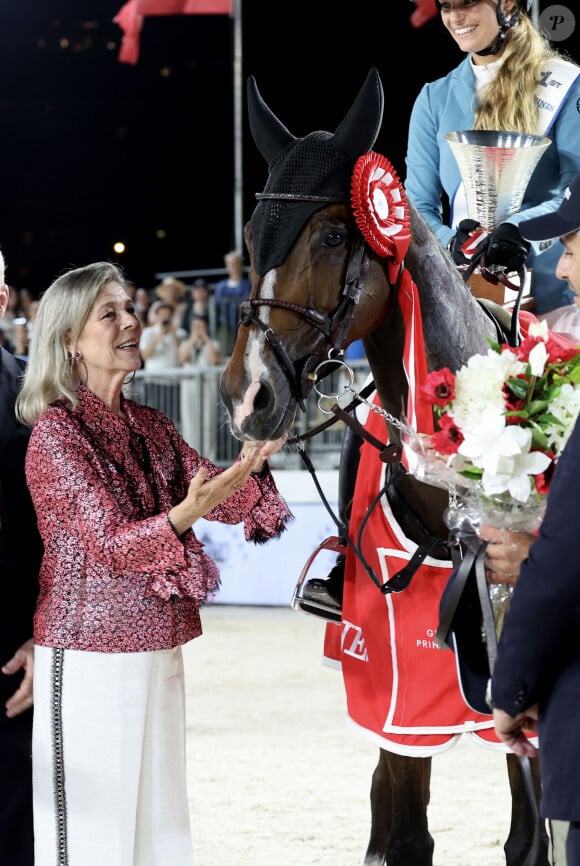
(117, 491)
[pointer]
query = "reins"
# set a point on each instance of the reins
(391, 455)
(495, 277)
(298, 438)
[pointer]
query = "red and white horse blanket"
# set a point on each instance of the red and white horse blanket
(401, 689)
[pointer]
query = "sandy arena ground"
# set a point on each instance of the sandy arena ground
(278, 776)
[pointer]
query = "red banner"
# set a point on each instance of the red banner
(424, 11)
(184, 7)
(130, 18)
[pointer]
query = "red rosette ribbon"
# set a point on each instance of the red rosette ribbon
(380, 206)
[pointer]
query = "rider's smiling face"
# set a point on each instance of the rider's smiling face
(473, 24)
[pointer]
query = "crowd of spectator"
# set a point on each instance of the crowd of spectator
(216, 304)
(180, 330)
(18, 323)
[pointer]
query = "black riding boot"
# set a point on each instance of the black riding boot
(323, 597)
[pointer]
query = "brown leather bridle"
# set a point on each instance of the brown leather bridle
(333, 326)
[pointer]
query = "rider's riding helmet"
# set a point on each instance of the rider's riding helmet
(504, 24)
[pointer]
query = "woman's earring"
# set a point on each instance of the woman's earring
(77, 356)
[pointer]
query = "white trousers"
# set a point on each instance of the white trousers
(108, 755)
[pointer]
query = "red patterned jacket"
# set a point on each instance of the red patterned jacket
(115, 577)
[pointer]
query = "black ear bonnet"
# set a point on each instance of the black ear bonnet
(305, 174)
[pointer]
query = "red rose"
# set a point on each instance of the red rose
(526, 346)
(449, 439)
(544, 479)
(439, 386)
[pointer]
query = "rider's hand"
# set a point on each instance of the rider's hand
(506, 248)
(465, 230)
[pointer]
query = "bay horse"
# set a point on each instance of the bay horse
(325, 271)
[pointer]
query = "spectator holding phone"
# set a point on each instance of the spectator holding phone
(160, 344)
(160, 341)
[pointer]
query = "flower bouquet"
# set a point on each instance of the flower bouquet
(504, 419)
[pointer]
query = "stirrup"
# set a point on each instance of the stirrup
(338, 545)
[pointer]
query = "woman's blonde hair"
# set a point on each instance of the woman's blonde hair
(52, 372)
(508, 103)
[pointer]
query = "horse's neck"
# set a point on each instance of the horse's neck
(454, 328)
(454, 324)
(417, 503)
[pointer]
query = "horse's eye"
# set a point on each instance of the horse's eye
(334, 238)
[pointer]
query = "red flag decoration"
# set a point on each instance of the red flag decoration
(130, 18)
(424, 11)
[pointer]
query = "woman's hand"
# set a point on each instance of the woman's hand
(260, 451)
(205, 493)
(505, 553)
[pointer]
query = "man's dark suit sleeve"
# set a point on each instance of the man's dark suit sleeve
(20, 545)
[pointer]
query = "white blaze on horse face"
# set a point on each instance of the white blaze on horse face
(254, 361)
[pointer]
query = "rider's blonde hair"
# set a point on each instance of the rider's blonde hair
(508, 102)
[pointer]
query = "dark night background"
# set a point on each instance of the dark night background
(95, 151)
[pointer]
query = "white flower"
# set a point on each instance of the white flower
(512, 475)
(538, 329)
(537, 359)
(478, 389)
(490, 437)
(503, 452)
(565, 407)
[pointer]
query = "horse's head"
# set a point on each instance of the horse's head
(308, 265)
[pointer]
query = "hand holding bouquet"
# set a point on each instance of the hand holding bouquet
(504, 419)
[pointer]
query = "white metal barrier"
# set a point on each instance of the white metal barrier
(190, 397)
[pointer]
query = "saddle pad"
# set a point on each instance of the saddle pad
(400, 687)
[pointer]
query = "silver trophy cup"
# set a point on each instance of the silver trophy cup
(495, 168)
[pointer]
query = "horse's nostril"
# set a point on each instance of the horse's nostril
(262, 399)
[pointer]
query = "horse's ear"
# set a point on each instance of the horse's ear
(359, 130)
(269, 134)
